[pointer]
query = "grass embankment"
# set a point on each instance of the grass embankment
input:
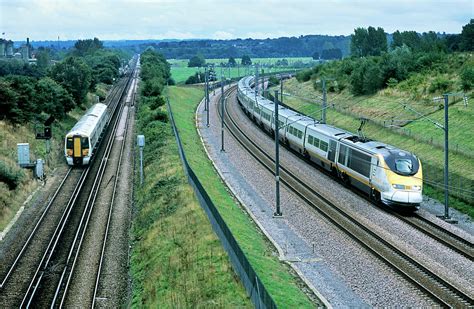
(375, 107)
(10, 135)
(177, 260)
(279, 281)
(180, 70)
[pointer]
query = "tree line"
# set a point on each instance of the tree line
(28, 90)
(375, 64)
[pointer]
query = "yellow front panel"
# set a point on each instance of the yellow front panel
(77, 147)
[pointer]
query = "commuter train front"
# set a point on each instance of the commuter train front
(386, 173)
(81, 142)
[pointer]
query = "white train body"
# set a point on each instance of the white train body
(81, 142)
(388, 174)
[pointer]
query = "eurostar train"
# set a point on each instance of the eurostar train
(81, 142)
(387, 174)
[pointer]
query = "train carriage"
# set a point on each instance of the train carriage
(388, 174)
(82, 140)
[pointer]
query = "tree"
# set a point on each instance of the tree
(42, 58)
(75, 76)
(315, 55)
(467, 37)
(89, 46)
(333, 53)
(9, 102)
(232, 62)
(53, 99)
(368, 42)
(26, 106)
(366, 77)
(197, 61)
(246, 60)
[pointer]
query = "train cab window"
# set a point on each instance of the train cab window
(84, 142)
(69, 143)
(403, 165)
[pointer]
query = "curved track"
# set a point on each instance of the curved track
(436, 287)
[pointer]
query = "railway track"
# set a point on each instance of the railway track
(50, 286)
(38, 259)
(439, 289)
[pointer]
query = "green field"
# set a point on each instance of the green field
(180, 70)
(279, 281)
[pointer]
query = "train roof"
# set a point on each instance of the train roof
(87, 123)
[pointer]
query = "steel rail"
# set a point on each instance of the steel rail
(33, 232)
(39, 273)
(439, 289)
(102, 170)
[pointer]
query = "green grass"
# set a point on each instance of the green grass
(180, 71)
(279, 281)
(177, 261)
(382, 106)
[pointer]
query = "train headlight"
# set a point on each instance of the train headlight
(398, 187)
(416, 188)
(69, 152)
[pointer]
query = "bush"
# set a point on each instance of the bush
(303, 76)
(467, 78)
(439, 84)
(11, 175)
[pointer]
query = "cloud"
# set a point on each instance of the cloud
(224, 19)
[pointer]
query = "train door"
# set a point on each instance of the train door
(77, 150)
(332, 150)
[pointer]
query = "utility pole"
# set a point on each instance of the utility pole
(446, 217)
(207, 99)
(222, 114)
(256, 79)
(281, 89)
(277, 212)
(205, 89)
(323, 111)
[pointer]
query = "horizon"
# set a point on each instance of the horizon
(46, 20)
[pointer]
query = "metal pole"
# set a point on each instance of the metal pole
(207, 99)
(281, 89)
(141, 166)
(323, 111)
(205, 89)
(277, 160)
(446, 151)
(222, 114)
(256, 79)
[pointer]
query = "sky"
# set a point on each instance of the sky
(222, 19)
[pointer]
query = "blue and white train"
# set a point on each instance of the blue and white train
(386, 173)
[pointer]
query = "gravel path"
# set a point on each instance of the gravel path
(330, 262)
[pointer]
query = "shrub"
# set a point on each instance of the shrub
(303, 76)
(467, 78)
(11, 175)
(439, 84)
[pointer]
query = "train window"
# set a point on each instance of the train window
(310, 139)
(69, 143)
(300, 134)
(324, 146)
(84, 142)
(403, 165)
